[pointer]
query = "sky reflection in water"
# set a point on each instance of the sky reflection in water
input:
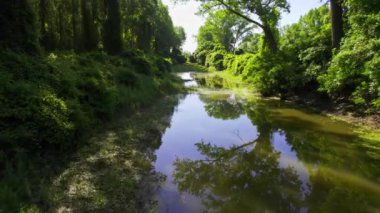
(225, 155)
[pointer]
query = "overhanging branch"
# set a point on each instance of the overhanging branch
(239, 14)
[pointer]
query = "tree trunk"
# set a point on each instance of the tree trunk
(95, 22)
(61, 29)
(112, 28)
(74, 15)
(18, 29)
(270, 39)
(88, 39)
(43, 13)
(336, 22)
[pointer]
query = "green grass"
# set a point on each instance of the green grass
(189, 67)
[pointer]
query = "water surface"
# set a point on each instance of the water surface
(223, 153)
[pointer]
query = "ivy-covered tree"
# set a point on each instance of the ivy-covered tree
(336, 8)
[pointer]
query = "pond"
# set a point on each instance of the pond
(225, 153)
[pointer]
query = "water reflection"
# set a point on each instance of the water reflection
(232, 155)
(222, 106)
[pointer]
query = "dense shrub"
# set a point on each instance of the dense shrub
(228, 61)
(205, 49)
(216, 59)
(306, 63)
(239, 63)
(354, 73)
(51, 100)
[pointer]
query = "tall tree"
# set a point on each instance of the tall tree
(224, 28)
(89, 34)
(74, 24)
(336, 9)
(18, 26)
(112, 28)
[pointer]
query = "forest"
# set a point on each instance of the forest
(68, 66)
(332, 53)
(89, 90)
(64, 64)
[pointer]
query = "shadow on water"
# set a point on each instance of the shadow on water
(226, 154)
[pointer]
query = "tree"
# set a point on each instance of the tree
(250, 43)
(337, 34)
(224, 28)
(180, 36)
(18, 26)
(267, 11)
(164, 34)
(89, 32)
(112, 28)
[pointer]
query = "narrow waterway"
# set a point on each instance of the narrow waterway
(226, 153)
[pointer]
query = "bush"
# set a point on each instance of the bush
(239, 63)
(50, 101)
(216, 59)
(354, 72)
(228, 61)
(205, 49)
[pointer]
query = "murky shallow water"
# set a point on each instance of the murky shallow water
(225, 154)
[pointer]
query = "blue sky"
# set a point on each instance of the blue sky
(183, 14)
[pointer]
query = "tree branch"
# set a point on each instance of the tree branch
(239, 14)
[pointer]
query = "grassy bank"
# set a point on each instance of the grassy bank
(189, 67)
(50, 108)
(367, 125)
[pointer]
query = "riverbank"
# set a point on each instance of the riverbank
(364, 123)
(51, 109)
(253, 145)
(114, 171)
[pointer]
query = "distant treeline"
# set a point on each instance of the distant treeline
(88, 25)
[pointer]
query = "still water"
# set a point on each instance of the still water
(223, 153)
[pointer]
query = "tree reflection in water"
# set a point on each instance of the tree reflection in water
(222, 106)
(249, 177)
(245, 177)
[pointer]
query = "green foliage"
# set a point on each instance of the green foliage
(304, 55)
(305, 62)
(225, 29)
(192, 67)
(84, 26)
(239, 63)
(266, 15)
(354, 71)
(251, 43)
(50, 101)
(14, 187)
(228, 61)
(204, 49)
(216, 60)
(165, 34)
